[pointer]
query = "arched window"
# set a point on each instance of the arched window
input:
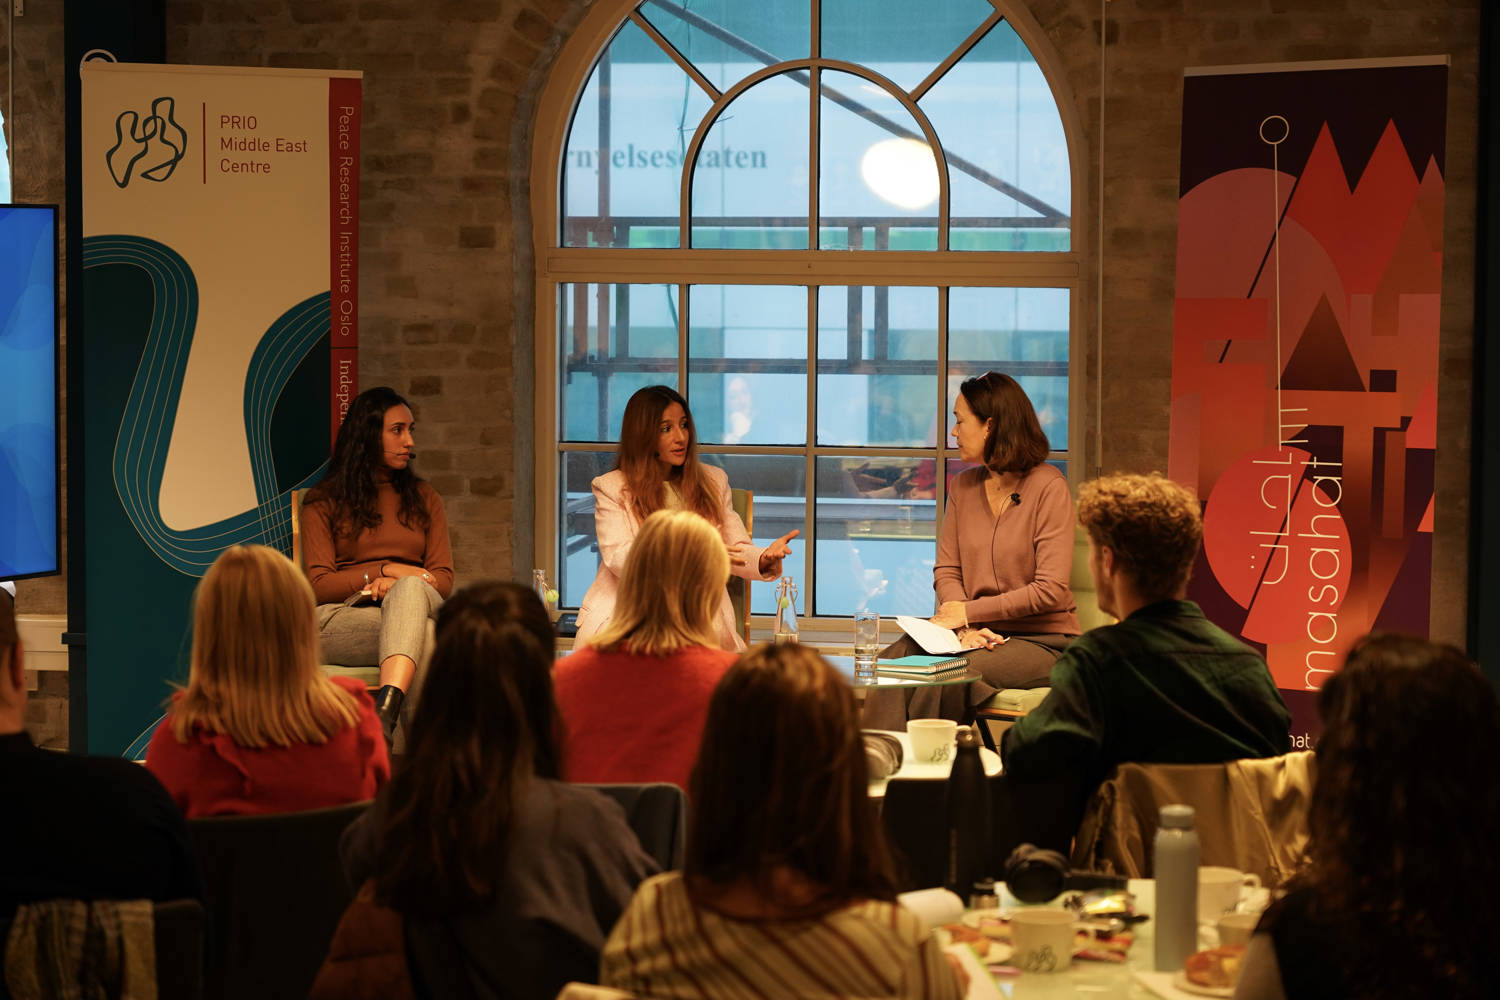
(813, 218)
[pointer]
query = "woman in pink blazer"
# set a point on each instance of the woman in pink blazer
(657, 468)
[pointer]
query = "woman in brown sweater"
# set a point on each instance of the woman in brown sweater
(1004, 557)
(375, 546)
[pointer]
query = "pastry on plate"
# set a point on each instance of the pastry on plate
(1216, 968)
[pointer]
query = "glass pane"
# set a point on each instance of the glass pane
(622, 172)
(1007, 156)
(780, 486)
(877, 531)
(883, 34)
(750, 180)
(1022, 332)
(602, 362)
(954, 466)
(876, 170)
(877, 367)
(726, 40)
(747, 363)
(578, 554)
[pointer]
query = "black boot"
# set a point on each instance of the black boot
(388, 708)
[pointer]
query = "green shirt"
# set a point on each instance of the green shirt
(1166, 685)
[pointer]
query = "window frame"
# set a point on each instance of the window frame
(556, 265)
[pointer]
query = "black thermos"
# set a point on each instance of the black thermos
(968, 816)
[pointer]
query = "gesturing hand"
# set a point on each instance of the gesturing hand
(771, 555)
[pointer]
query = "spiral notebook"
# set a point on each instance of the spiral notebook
(921, 665)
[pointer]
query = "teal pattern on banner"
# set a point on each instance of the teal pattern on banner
(145, 296)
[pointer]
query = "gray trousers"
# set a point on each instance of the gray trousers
(1023, 662)
(365, 634)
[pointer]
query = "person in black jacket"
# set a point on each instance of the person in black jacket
(79, 827)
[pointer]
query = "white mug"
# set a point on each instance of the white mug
(1236, 928)
(932, 740)
(1219, 891)
(1042, 939)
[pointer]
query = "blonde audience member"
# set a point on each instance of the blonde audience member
(657, 468)
(786, 864)
(633, 702)
(506, 878)
(259, 728)
(1404, 818)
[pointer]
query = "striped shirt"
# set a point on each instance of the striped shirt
(665, 947)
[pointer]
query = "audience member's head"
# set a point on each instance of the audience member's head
(12, 672)
(1144, 529)
(1406, 808)
(486, 722)
(671, 589)
(255, 673)
(1015, 441)
(780, 791)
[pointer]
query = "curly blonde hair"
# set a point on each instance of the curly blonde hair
(1151, 524)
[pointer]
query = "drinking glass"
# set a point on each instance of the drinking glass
(866, 642)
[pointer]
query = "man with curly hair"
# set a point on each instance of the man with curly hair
(1164, 685)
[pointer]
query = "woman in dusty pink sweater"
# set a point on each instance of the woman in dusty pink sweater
(1003, 558)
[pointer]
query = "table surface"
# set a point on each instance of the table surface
(1095, 980)
(926, 771)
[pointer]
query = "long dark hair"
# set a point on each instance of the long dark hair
(486, 723)
(1016, 441)
(640, 430)
(358, 457)
(781, 781)
(1404, 818)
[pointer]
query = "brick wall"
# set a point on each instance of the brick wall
(447, 307)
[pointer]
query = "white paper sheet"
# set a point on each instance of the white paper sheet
(934, 639)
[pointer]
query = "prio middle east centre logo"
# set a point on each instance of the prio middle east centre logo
(149, 147)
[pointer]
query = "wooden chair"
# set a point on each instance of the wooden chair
(743, 502)
(276, 891)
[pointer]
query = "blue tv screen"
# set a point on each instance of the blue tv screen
(29, 467)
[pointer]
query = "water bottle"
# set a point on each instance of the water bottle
(544, 592)
(968, 816)
(786, 612)
(1174, 862)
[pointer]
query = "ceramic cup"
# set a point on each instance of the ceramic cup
(932, 740)
(1219, 891)
(1236, 928)
(1043, 940)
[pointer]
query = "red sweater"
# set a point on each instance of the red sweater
(629, 718)
(211, 775)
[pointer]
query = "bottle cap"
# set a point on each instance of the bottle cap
(1177, 817)
(968, 736)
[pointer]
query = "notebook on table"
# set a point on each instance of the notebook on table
(921, 665)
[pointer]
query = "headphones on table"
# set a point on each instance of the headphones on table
(1038, 875)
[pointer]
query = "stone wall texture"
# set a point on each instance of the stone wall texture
(447, 312)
